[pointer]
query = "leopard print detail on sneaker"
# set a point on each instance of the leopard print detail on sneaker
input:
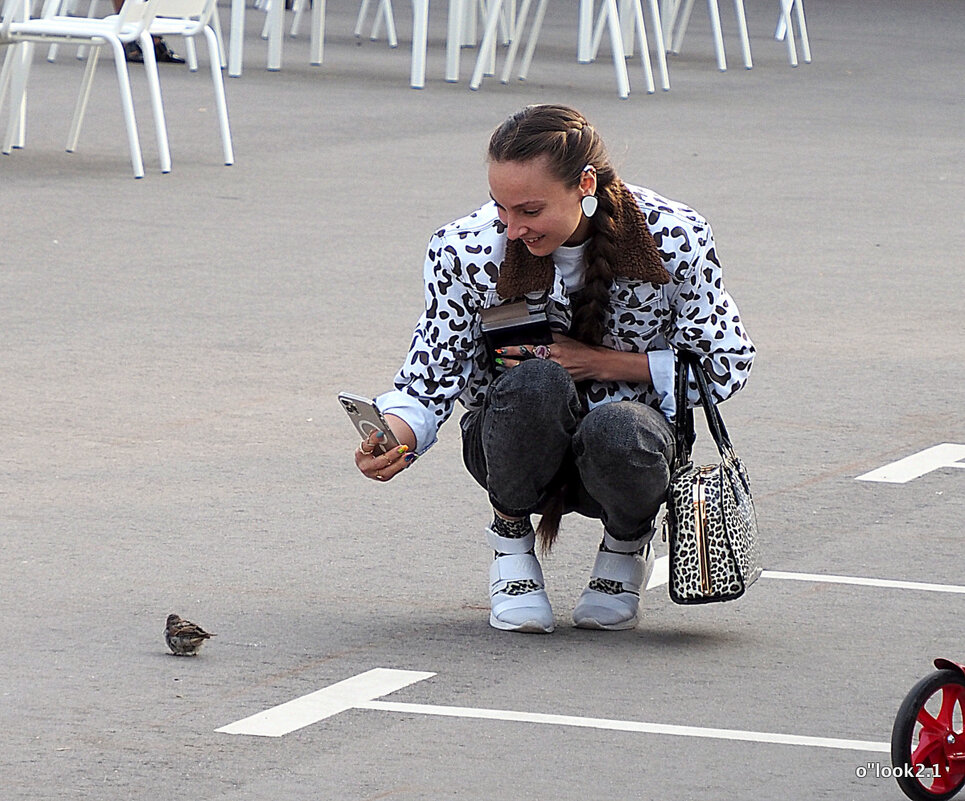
(608, 586)
(521, 587)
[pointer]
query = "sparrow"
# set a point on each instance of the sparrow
(183, 637)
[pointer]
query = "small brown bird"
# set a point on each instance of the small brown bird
(183, 637)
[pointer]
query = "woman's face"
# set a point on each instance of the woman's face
(537, 207)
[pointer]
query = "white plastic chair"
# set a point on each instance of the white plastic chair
(384, 14)
(112, 32)
(635, 33)
(785, 25)
(609, 16)
(190, 18)
(67, 6)
(677, 16)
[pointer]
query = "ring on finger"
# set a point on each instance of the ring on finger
(524, 351)
(362, 445)
(542, 352)
(380, 477)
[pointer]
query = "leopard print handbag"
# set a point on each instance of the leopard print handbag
(710, 521)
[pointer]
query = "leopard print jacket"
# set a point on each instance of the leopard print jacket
(679, 302)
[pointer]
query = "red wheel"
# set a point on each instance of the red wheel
(928, 740)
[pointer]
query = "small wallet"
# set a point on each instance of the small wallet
(514, 324)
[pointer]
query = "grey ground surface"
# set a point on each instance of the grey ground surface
(171, 349)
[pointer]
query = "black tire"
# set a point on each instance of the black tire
(905, 738)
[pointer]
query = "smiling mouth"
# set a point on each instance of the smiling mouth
(533, 241)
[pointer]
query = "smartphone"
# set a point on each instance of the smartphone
(366, 418)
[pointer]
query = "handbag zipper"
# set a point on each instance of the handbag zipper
(700, 527)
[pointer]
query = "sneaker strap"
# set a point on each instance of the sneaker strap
(510, 545)
(624, 568)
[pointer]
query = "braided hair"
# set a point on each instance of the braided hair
(570, 143)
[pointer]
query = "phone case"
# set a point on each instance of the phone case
(366, 418)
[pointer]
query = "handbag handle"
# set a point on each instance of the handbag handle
(688, 363)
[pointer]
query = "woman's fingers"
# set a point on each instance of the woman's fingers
(512, 355)
(383, 466)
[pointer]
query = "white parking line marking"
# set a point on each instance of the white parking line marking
(864, 582)
(904, 470)
(360, 692)
(661, 575)
(661, 572)
(321, 704)
(628, 725)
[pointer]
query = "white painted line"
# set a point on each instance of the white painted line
(661, 575)
(628, 725)
(904, 470)
(661, 572)
(316, 706)
(864, 582)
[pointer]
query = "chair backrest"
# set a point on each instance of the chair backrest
(200, 10)
(137, 12)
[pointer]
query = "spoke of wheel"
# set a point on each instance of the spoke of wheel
(951, 695)
(930, 750)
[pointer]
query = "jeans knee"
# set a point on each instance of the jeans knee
(534, 384)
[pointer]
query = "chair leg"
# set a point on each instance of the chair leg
(385, 12)
(714, 11)
(236, 39)
(318, 32)
(21, 59)
(83, 96)
(420, 33)
(514, 42)
(487, 44)
(533, 38)
(742, 32)
(803, 30)
(584, 33)
(683, 18)
(669, 13)
(6, 72)
(127, 101)
(276, 24)
(661, 45)
(598, 27)
(789, 35)
(298, 11)
(91, 14)
(154, 89)
(191, 53)
(641, 28)
(219, 97)
(215, 23)
(628, 22)
(616, 46)
(360, 20)
(454, 39)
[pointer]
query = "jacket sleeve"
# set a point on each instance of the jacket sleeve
(707, 320)
(439, 363)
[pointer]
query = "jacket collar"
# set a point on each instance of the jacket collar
(638, 257)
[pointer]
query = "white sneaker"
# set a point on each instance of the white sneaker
(519, 602)
(612, 597)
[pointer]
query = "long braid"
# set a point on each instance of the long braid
(570, 143)
(590, 304)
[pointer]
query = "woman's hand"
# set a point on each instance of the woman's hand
(578, 359)
(383, 466)
(581, 361)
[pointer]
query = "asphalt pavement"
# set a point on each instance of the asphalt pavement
(171, 349)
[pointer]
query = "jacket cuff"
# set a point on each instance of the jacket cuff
(418, 418)
(663, 369)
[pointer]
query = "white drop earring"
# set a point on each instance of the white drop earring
(589, 203)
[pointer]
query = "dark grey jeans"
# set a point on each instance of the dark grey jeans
(531, 437)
